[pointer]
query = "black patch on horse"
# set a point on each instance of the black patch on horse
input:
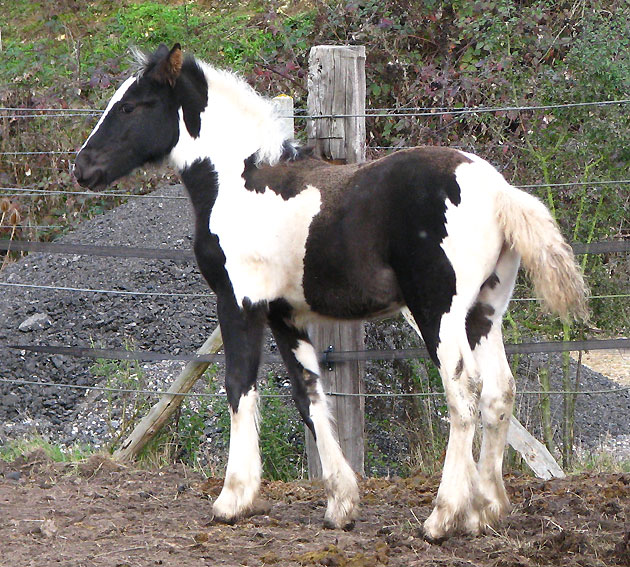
(378, 239)
(191, 90)
(478, 323)
(201, 182)
(492, 281)
(303, 381)
(282, 178)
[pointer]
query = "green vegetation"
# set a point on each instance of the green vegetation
(14, 449)
(183, 439)
(125, 408)
(430, 54)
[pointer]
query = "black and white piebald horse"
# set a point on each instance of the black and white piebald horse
(284, 238)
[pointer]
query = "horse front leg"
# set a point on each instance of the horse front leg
(301, 361)
(242, 338)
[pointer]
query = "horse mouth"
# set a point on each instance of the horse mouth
(93, 179)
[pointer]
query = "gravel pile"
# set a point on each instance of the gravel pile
(178, 324)
(169, 324)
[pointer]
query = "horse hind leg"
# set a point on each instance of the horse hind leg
(339, 479)
(458, 497)
(497, 394)
(444, 332)
(472, 497)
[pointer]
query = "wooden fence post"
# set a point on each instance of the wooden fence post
(336, 86)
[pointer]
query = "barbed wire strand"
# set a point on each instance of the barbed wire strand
(33, 109)
(38, 153)
(34, 226)
(190, 294)
(138, 391)
(33, 192)
(65, 115)
(105, 291)
(25, 192)
(376, 112)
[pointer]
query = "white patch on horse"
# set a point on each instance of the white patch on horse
(243, 472)
(339, 478)
(263, 238)
(236, 123)
(120, 92)
(305, 354)
(472, 245)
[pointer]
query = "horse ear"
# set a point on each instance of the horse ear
(169, 68)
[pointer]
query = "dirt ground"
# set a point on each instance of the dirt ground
(615, 364)
(102, 514)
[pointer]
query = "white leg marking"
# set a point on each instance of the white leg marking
(242, 476)
(339, 478)
(456, 499)
(497, 396)
(306, 356)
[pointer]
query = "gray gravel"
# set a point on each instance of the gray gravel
(180, 325)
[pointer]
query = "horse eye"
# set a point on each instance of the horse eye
(126, 108)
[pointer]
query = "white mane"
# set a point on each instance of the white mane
(236, 123)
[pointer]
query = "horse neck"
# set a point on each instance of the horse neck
(236, 124)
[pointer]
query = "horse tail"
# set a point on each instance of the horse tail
(530, 229)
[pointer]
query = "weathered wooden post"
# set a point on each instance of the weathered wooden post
(336, 87)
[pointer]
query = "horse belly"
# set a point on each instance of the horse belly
(362, 289)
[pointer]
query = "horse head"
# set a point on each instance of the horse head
(139, 125)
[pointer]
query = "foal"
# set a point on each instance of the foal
(283, 238)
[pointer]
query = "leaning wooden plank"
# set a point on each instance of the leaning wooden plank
(168, 403)
(536, 455)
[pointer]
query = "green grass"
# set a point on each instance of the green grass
(600, 461)
(12, 450)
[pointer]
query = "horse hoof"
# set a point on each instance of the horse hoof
(258, 507)
(433, 540)
(220, 519)
(330, 525)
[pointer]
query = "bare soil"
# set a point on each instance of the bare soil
(614, 364)
(100, 513)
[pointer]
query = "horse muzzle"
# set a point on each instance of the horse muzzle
(89, 174)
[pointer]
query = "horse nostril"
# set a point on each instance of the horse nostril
(77, 172)
(86, 172)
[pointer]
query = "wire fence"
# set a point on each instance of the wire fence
(159, 393)
(183, 255)
(26, 192)
(14, 112)
(326, 358)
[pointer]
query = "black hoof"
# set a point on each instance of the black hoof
(430, 539)
(346, 528)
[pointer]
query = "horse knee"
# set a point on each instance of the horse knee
(496, 406)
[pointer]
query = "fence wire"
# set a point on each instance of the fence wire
(140, 391)
(27, 192)
(132, 293)
(14, 112)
